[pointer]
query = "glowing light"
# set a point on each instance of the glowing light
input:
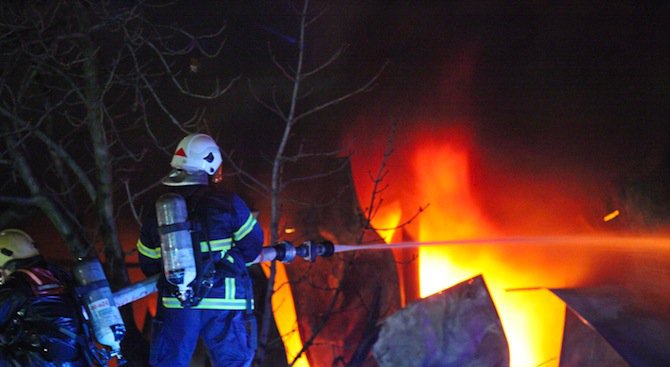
(533, 320)
(439, 174)
(283, 307)
(386, 220)
(611, 216)
(289, 230)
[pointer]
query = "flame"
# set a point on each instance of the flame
(532, 320)
(386, 221)
(439, 174)
(442, 180)
(284, 305)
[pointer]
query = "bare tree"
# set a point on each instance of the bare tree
(83, 85)
(379, 185)
(300, 84)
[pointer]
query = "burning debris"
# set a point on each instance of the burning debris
(456, 327)
(611, 215)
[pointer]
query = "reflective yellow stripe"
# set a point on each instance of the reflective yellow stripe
(217, 245)
(210, 304)
(230, 288)
(245, 228)
(221, 245)
(152, 253)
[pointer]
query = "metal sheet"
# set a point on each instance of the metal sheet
(634, 323)
(454, 328)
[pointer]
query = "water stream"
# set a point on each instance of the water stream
(593, 240)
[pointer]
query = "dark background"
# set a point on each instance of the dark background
(544, 88)
(570, 83)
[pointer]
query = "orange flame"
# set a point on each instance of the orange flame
(440, 176)
(284, 305)
(442, 180)
(533, 321)
(386, 221)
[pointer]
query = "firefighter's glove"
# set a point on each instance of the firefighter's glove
(233, 264)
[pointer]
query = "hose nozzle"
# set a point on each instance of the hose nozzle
(285, 251)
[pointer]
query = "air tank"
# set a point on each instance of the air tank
(176, 245)
(96, 296)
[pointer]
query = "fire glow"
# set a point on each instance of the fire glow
(443, 178)
(284, 305)
(440, 170)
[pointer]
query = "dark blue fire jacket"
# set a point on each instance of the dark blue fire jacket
(224, 224)
(39, 317)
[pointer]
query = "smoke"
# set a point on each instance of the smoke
(515, 189)
(559, 111)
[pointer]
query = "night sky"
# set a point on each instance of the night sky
(546, 89)
(543, 87)
(569, 81)
(580, 87)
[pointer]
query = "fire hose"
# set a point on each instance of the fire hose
(100, 302)
(286, 252)
(283, 251)
(104, 328)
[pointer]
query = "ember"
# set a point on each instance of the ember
(611, 216)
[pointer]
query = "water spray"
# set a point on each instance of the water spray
(519, 240)
(286, 252)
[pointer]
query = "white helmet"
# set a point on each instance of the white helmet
(15, 244)
(195, 154)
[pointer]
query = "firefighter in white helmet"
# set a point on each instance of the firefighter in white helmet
(225, 237)
(196, 158)
(39, 316)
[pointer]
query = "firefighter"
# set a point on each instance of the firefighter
(39, 316)
(225, 237)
